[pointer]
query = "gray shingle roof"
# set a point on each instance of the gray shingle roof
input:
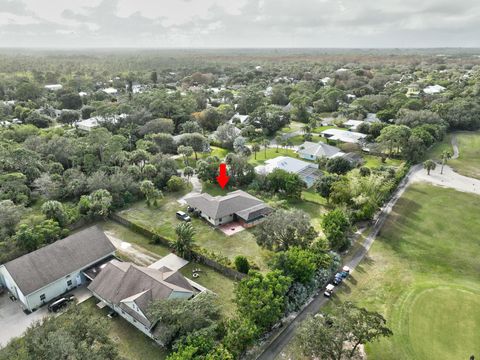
(220, 206)
(318, 149)
(41, 267)
(119, 282)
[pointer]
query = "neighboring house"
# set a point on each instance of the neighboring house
(239, 118)
(313, 151)
(308, 172)
(53, 87)
(110, 91)
(344, 136)
(129, 290)
(413, 91)
(434, 89)
(372, 118)
(42, 275)
(96, 121)
(235, 206)
(354, 159)
(352, 124)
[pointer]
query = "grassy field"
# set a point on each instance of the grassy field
(270, 154)
(293, 126)
(131, 343)
(299, 139)
(162, 219)
(468, 162)
(373, 162)
(215, 151)
(422, 275)
(216, 282)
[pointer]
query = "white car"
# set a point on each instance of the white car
(329, 290)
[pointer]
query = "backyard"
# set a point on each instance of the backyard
(270, 153)
(131, 343)
(162, 220)
(422, 275)
(468, 162)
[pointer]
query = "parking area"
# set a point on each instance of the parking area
(14, 322)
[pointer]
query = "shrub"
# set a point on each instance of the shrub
(241, 264)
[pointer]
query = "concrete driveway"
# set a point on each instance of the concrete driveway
(13, 321)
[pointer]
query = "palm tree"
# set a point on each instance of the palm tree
(429, 165)
(184, 243)
(265, 144)
(188, 172)
(255, 149)
(278, 141)
(446, 155)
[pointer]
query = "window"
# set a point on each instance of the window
(69, 283)
(134, 320)
(42, 297)
(220, 220)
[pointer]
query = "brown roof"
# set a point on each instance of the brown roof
(119, 282)
(41, 267)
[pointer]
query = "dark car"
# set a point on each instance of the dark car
(338, 279)
(182, 216)
(60, 303)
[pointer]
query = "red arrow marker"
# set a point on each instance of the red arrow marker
(222, 178)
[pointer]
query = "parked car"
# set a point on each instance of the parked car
(338, 278)
(60, 303)
(182, 216)
(346, 269)
(344, 274)
(329, 290)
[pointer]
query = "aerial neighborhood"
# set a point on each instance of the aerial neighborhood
(264, 203)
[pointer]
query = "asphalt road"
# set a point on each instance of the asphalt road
(276, 347)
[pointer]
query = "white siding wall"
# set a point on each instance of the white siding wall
(11, 286)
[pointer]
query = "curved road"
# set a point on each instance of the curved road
(449, 179)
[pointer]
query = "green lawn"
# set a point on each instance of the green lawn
(422, 275)
(373, 162)
(162, 219)
(293, 126)
(468, 162)
(270, 154)
(216, 282)
(131, 343)
(299, 139)
(323, 128)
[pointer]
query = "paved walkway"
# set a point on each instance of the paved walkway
(196, 189)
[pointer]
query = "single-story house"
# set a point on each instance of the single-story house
(344, 135)
(352, 124)
(313, 151)
(110, 91)
(42, 275)
(235, 206)
(307, 171)
(96, 121)
(129, 290)
(239, 118)
(434, 89)
(53, 87)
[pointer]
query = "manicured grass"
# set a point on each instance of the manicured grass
(374, 162)
(131, 342)
(314, 197)
(422, 275)
(323, 128)
(468, 162)
(299, 139)
(214, 281)
(293, 126)
(162, 220)
(270, 154)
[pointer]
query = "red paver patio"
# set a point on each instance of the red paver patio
(231, 228)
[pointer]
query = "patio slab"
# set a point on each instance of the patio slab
(231, 228)
(171, 261)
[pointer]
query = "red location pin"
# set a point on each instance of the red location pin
(223, 178)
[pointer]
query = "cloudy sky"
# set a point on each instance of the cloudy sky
(239, 23)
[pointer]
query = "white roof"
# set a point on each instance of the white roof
(433, 89)
(343, 135)
(330, 287)
(53, 87)
(110, 90)
(82, 93)
(352, 123)
(285, 163)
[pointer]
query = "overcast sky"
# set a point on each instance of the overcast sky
(239, 23)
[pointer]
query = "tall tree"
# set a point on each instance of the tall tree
(429, 165)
